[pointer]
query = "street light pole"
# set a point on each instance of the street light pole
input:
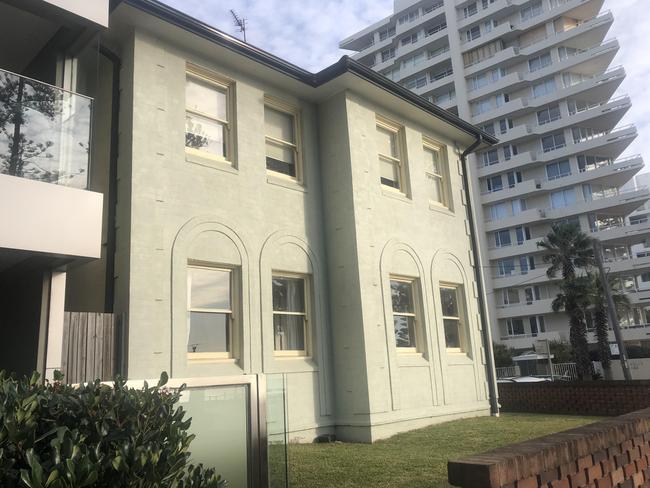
(611, 311)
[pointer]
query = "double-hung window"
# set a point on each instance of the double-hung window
(282, 134)
(436, 172)
(391, 155)
(453, 318)
(290, 315)
(537, 325)
(210, 312)
(402, 291)
(208, 117)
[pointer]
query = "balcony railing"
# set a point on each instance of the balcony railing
(44, 131)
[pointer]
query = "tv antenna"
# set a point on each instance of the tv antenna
(240, 22)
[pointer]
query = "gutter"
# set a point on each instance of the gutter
(342, 66)
(485, 328)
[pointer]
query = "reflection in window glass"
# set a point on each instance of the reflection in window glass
(403, 313)
(289, 314)
(451, 317)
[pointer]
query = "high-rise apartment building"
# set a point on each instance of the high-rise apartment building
(537, 75)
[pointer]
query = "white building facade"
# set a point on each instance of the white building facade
(537, 75)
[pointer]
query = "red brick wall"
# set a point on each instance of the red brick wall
(614, 453)
(607, 398)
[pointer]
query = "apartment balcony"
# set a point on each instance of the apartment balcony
(447, 104)
(443, 79)
(516, 278)
(624, 235)
(611, 144)
(633, 265)
(526, 341)
(496, 32)
(373, 47)
(524, 309)
(507, 193)
(526, 247)
(501, 84)
(404, 28)
(604, 116)
(432, 63)
(503, 7)
(636, 332)
(47, 209)
(497, 59)
(585, 35)
(577, 9)
(638, 297)
(524, 217)
(621, 204)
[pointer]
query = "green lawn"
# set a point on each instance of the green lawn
(418, 458)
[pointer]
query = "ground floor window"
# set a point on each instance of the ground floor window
(451, 298)
(402, 292)
(290, 317)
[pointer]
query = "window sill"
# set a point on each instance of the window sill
(458, 359)
(285, 183)
(214, 163)
(192, 360)
(292, 364)
(411, 360)
(396, 194)
(436, 207)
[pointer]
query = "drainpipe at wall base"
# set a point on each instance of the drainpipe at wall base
(485, 328)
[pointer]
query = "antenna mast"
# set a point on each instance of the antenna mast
(240, 22)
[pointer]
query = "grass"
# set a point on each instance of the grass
(418, 458)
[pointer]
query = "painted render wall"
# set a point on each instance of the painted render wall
(344, 232)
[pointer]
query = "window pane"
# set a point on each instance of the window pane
(452, 335)
(404, 331)
(389, 173)
(280, 158)
(432, 161)
(449, 300)
(210, 288)
(279, 124)
(205, 98)
(208, 332)
(386, 142)
(402, 296)
(288, 295)
(435, 186)
(289, 332)
(205, 134)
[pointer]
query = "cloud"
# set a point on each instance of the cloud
(307, 33)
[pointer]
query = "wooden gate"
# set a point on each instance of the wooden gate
(90, 346)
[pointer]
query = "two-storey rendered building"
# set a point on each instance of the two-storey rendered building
(263, 220)
(537, 75)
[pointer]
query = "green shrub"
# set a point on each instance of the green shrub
(502, 355)
(54, 435)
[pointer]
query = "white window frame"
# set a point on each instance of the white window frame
(294, 112)
(401, 162)
(226, 85)
(211, 356)
(463, 326)
(413, 283)
(429, 144)
(307, 283)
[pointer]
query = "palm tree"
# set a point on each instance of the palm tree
(574, 299)
(601, 317)
(567, 248)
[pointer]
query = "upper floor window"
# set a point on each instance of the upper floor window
(411, 39)
(390, 148)
(437, 173)
(386, 33)
(549, 114)
(456, 333)
(559, 169)
(563, 198)
(539, 62)
(470, 10)
(533, 10)
(544, 88)
(402, 292)
(210, 312)
(502, 238)
(488, 158)
(282, 133)
(387, 54)
(208, 117)
(553, 142)
(410, 17)
(473, 33)
(290, 315)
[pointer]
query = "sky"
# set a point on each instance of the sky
(307, 33)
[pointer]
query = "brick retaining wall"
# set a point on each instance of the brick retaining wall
(614, 453)
(608, 398)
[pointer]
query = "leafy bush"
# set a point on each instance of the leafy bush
(502, 355)
(54, 435)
